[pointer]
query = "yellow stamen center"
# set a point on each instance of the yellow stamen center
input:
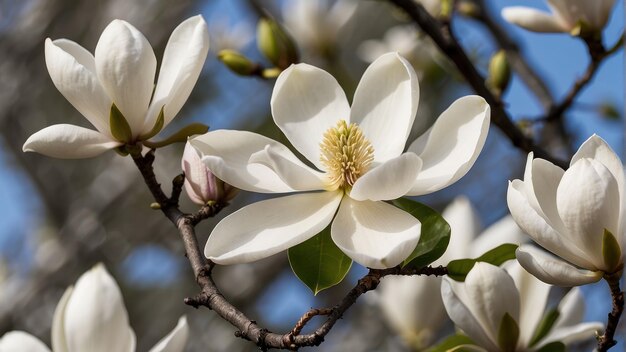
(346, 154)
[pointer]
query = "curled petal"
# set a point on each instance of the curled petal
(22, 342)
(552, 270)
(126, 66)
(265, 228)
(375, 234)
(306, 102)
(453, 144)
(387, 181)
(69, 142)
(72, 69)
(183, 60)
(176, 340)
(533, 19)
(385, 103)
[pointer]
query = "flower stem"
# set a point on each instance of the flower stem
(606, 341)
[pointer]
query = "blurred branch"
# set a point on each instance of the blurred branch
(606, 341)
(212, 298)
(443, 37)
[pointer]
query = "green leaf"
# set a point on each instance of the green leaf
(611, 252)
(180, 136)
(451, 342)
(158, 126)
(508, 334)
(318, 262)
(553, 347)
(435, 233)
(458, 269)
(120, 129)
(544, 327)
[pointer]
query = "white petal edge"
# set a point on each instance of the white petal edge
(72, 69)
(375, 234)
(59, 342)
(176, 340)
(227, 154)
(183, 59)
(533, 19)
(306, 102)
(20, 341)
(385, 104)
(574, 333)
(464, 226)
(265, 228)
(553, 270)
(126, 66)
(571, 309)
(95, 317)
(502, 231)
(389, 180)
(453, 145)
(66, 141)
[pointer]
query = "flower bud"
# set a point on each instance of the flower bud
(200, 184)
(237, 62)
(499, 73)
(274, 42)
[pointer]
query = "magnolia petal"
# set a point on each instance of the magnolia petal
(533, 296)
(227, 154)
(533, 19)
(126, 66)
(588, 202)
(306, 102)
(176, 340)
(571, 309)
(464, 226)
(385, 103)
(539, 230)
(553, 270)
(453, 144)
(95, 317)
(265, 228)
(502, 231)
(390, 180)
(491, 293)
(290, 170)
(456, 301)
(69, 142)
(59, 343)
(183, 60)
(72, 69)
(576, 333)
(21, 341)
(542, 180)
(375, 234)
(200, 185)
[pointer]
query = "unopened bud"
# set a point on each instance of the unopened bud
(237, 62)
(499, 73)
(467, 9)
(274, 42)
(201, 185)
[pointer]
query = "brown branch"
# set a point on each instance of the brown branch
(607, 340)
(213, 299)
(443, 38)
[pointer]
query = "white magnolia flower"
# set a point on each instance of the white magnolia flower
(568, 212)
(405, 40)
(565, 17)
(412, 304)
(91, 317)
(479, 305)
(121, 73)
(359, 151)
(200, 184)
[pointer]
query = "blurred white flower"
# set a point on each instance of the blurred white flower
(200, 184)
(225, 35)
(575, 214)
(91, 317)
(360, 151)
(412, 304)
(492, 299)
(565, 17)
(121, 73)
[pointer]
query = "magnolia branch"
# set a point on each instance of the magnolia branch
(607, 340)
(443, 37)
(212, 298)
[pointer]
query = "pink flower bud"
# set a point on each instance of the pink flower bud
(200, 184)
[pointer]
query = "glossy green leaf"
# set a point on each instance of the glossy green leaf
(458, 269)
(508, 334)
(553, 347)
(158, 125)
(435, 233)
(611, 252)
(318, 262)
(544, 327)
(451, 342)
(120, 129)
